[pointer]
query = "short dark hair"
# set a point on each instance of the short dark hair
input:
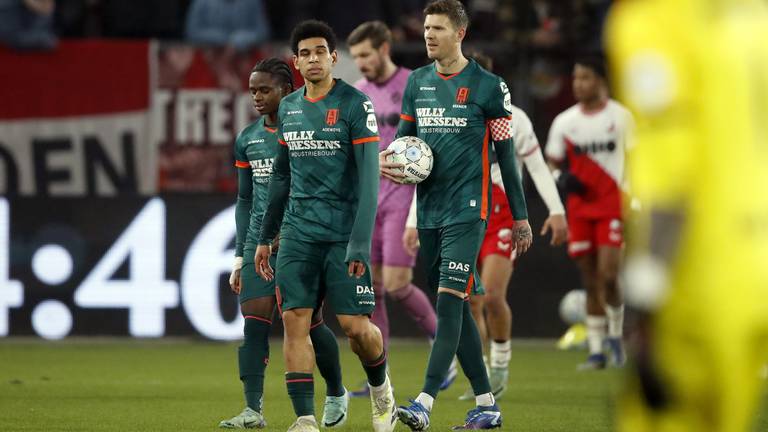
(310, 29)
(595, 62)
(452, 8)
(276, 67)
(376, 31)
(482, 59)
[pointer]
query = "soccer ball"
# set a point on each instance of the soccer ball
(573, 306)
(415, 154)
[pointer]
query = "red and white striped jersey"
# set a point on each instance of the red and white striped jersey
(594, 145)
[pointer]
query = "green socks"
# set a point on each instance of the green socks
(470, 354)
(327, 357)
(253, 357)
(301, 389)
(449, 322)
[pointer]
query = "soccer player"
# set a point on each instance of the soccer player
(457, 108)
(255, 150)
(586, 148)
(392, 267)
(496, 260)
(322, 197)
(696, 264)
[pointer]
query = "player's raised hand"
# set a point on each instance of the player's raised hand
(234, 277)
(522, 237)
(559, 227)
(411, 241)
(390, 170)
(356, 269)
(261, 260)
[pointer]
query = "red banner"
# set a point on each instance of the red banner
(75, 121)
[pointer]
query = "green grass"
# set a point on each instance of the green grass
(124, 385)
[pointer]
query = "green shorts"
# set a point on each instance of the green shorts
(450, 255)
(251, 284)
(309, 273)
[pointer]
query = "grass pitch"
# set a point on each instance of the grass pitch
(181, 385)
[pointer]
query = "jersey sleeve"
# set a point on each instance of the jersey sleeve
(362, 122)
(498, 115)
(407, 125)
(244, 195)
(278, 191)
(555, 149)
(241, 160)
(366, 149)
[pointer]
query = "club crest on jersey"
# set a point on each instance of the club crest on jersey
(461, 95)
(331, 116)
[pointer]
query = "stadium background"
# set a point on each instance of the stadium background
(116, 176)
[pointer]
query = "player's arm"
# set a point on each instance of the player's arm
(242, 213)
(498, 111)
(365, 147)
(528, 149)
(411, 234)
(277, 197)
(556, 159)
(513, 188)
(545, 185)
(407, 127)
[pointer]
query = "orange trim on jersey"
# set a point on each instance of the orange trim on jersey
(365, 140)
(280, 140)
(315, 100)
(447, 77)
(406, 117)
(269, 129)
(321, 97)
(241, 164)
(486, 174)
(470, 284)
(530, 152)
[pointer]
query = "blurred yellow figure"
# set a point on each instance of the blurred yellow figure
(695, 74)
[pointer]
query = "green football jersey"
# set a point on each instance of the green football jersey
(331, 146)
(459, 117)
(255, 150)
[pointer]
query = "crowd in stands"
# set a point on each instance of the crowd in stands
(244, 24)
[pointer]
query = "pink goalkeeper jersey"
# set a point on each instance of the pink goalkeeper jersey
(387, 99)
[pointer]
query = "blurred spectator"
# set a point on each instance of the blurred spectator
(344, 15)
(78, 18)
(146, 18)
(27, 24)
(229, 29)
(239, 24)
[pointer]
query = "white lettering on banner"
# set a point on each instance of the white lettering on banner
(146, 293)
(88, 155)
(11, 291)
(208, 257)
(198, 117)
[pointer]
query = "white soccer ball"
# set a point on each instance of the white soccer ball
(415, 154)
(573, 307)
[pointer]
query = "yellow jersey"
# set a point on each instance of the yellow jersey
(695, 74)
